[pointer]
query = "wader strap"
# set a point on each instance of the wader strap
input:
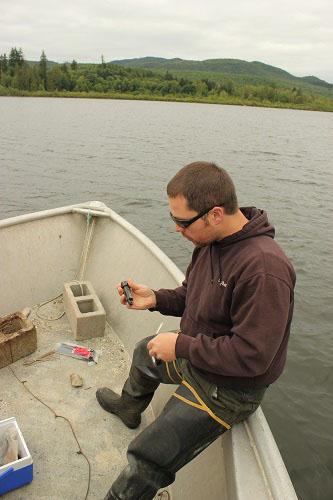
(201, 406)
(168, 370)
(177, 372)
(175, 367)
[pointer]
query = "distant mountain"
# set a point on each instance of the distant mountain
(233, 66)
(49, 64)
(317, 81)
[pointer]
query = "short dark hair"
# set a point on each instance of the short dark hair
(204, 184)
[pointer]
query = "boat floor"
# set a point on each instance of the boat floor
(59, 471)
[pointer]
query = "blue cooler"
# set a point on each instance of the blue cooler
(16, 473)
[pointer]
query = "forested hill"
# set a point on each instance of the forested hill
(233, 66)
(19, 77)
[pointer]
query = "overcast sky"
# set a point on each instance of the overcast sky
(295, 35)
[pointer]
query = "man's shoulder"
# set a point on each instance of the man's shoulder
(263, 255)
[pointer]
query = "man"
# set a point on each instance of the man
(236, 306)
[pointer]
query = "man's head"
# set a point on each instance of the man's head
(203, 203)
(204, 185)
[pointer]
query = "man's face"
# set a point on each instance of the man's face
(200, 232)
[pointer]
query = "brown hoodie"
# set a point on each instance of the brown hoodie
(236, 304)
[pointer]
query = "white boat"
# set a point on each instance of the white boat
(40, 252)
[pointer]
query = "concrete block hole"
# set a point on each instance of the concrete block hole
(77, 290)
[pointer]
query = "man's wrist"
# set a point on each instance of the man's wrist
(153, 301)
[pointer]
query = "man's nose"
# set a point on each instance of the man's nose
(179, 229)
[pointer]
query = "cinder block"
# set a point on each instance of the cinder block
(18, 338)
(84, 311)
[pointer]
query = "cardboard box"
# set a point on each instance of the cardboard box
(16, 473)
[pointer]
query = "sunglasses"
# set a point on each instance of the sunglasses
(184, 223)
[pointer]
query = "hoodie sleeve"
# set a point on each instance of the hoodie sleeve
(261, 310)
(171, 302)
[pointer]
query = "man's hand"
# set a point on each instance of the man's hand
(163, 346)
(143, 297)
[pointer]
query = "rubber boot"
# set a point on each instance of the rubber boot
(109, 496)
(177, 436)
(138, 390)
(125, 410)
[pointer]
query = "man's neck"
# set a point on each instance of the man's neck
(233, 223)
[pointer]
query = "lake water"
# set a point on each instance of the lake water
(56, 152)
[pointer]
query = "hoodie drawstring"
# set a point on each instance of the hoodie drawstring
(220, 267)
(211, 264)
(220, 280)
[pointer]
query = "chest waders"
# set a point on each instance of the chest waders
(185, 427)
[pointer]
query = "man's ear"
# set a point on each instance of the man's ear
(218, 214)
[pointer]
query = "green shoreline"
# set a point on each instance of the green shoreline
(235, 101)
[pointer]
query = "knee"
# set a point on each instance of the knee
(160, 444)
(141, 346)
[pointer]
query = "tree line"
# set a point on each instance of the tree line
(17, 73)
(111, 80)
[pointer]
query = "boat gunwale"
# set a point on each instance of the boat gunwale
(99, 209)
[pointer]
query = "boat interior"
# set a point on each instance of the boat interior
(79, 456)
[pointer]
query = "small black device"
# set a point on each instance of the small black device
(127, 292)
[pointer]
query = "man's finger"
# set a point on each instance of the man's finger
(153, 354)
(123, 300)
(133, 285)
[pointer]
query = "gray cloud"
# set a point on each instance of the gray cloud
(296, 36)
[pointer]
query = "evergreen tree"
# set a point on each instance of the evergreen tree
(15, 57)
(74, 65)
(20, 80)
(1, 70)
(20, 58)
(4, 63)
(13, 60)
(42, 69)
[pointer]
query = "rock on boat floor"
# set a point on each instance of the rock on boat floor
(59, 472)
